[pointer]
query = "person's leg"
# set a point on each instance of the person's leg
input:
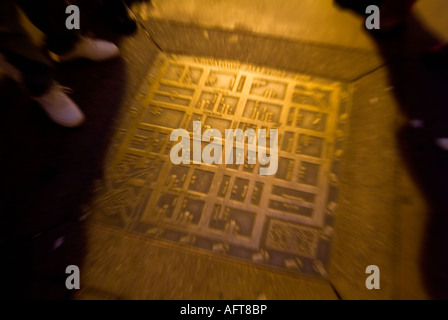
(37, 73)
(36, 68)
(398, 7)
(67, 44)
(117, 14)
(50, 16)
(395, 13)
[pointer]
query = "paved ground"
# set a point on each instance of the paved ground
(305, 20)
(392, 187)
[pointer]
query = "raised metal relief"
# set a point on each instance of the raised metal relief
(283, 221)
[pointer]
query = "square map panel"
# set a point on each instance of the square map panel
(281, 221)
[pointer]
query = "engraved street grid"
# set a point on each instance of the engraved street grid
(282, 221)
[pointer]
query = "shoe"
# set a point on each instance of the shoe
(91, 49)
(60, 108)
(417, 123)
(442, 143)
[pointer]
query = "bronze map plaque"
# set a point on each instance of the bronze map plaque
(282, 221)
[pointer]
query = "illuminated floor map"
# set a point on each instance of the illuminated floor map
(284, 221)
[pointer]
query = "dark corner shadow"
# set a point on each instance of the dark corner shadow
(47, 175)
(420, 82)
(421, 86)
